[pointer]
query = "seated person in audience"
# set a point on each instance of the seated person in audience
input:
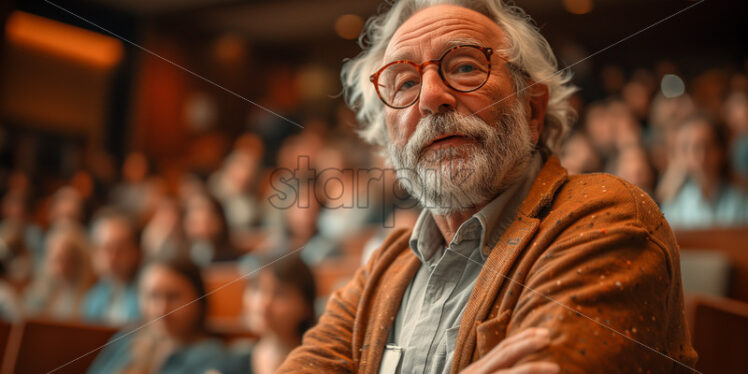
(174, 337)
(279, 308)
(705, 196)
(207, 230)
(10, 309)
(16, 216)
(117, 257)
(18, 257)
(60, 288)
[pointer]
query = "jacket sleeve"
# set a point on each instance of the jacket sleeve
(327, 347)
(608, 287)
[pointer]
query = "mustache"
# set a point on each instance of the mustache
(436, 126)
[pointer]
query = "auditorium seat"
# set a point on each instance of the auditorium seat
(705, 272)
(44, 346)
(225, 287)
(733, 243)
(720, 334)
(4, 336)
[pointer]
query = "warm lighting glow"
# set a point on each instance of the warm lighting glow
(348, 26)
(230, 48)
(578, 6)
(88, 47)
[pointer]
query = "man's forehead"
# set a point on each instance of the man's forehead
(438, 27)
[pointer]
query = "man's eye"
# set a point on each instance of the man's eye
(406, 85)
(465, 68)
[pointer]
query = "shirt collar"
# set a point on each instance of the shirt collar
(485, 227)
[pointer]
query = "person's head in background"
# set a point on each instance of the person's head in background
(67, 205)
(16, 257)
(116, 251)
(163, 234)
(279, 300)
(633, 165)
(15, 207)
(600, 129)
(300, 219)
(172, 297)
(665, 115)
(239, 172)
(735, 113)
(578, 155)
(68, 258)
(637, 97)
(135, 168)
(207, 230)
(700, 150)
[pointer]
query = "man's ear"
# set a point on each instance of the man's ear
(537, 100)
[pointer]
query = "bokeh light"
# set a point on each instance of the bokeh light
(348, 26)
(672, 86)
(578, 6)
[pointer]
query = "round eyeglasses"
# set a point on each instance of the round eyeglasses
(463, 68)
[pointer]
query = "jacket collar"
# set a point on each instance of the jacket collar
(551, 177)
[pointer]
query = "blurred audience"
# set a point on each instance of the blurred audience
(174, 338)
(117, 259)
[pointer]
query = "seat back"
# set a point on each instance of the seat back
(44, 346)
(731, 242)
(720, 334)
(705, 272)
(225, 289)
(5, 328)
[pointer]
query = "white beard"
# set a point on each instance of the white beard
(454, 179)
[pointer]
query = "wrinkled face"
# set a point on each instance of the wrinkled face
(164, 297)
(454, 150)
(274, 307)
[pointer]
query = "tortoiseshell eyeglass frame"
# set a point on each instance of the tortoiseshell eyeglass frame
(374, 78)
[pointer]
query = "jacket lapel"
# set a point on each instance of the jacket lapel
(381, 300)
(502, 258)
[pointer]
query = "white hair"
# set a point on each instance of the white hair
(524, 47)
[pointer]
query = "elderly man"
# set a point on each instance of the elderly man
(513, 266)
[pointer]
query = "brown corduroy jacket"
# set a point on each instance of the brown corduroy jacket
(589, 257)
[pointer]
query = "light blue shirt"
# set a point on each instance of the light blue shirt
(425, 331)
(690, 209)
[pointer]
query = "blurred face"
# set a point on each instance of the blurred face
(579, 157)
(201, 221)
(273, 307)
(135, 168)
(63, 261)
(633, 166)
(14, 208)
(438, 137)
(601, 129)
(117, 254)
(164, 295)
(700, 150)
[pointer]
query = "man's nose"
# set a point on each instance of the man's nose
(436, 96)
